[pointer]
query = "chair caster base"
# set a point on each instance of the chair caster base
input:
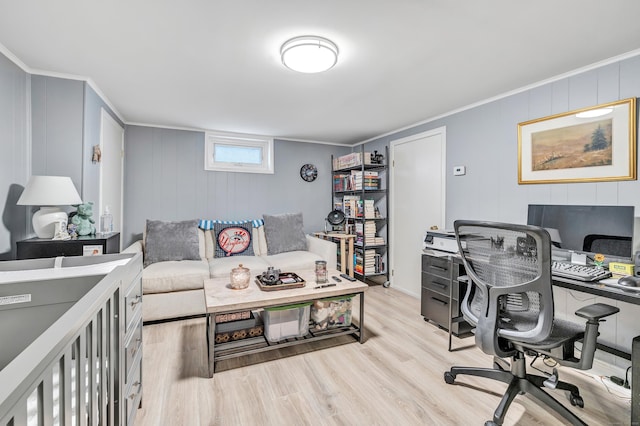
(449, 378)
(576, 399)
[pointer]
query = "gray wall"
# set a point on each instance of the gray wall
(56, 111)
(93, 105)
(165, 180)
(14, 154)
(485, 140)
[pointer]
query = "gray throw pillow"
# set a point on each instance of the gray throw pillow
(171, 241)
(284, 232)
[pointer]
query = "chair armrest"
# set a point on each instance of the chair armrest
(596, 311)
(327, 250)
(136, 247)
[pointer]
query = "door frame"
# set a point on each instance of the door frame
(392, 201)
(104, 116)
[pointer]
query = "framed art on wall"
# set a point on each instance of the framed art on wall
(592, 144)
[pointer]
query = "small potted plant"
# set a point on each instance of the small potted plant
(598, 260)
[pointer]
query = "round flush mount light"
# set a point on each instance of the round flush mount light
(309, 54)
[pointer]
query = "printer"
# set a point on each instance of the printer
(441, 239)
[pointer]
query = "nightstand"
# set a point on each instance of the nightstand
(34, 248)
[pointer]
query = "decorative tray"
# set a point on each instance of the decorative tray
(286, 280)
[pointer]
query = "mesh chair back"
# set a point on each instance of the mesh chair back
(512, 298)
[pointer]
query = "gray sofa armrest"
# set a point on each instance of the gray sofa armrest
(328, 250)
(136, 247)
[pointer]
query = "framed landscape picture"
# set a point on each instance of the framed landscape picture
(587, 145)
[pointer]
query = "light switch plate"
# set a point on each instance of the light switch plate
(459, 170)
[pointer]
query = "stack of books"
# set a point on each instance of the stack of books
(366, 262)
(369, 209)
(341, 182)
(350, 205)
(369, 232)
(359, 232)
(367, 180)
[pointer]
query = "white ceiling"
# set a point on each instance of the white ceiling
(211, 64)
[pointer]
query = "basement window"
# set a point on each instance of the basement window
(238, 153)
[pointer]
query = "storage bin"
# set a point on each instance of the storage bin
(239, 329)
(331, 313)
(285, 322)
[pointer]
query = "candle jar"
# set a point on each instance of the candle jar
(240, 277)
(321, 272)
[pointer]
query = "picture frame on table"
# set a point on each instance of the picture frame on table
(594, 144)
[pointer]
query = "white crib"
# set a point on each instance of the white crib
(70, 340)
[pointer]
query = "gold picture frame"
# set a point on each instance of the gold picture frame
(594, 144)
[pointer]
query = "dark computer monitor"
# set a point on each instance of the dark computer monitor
(587, 229)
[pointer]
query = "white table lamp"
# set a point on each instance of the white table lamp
(49, 191)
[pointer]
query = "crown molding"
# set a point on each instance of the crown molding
(553, 79)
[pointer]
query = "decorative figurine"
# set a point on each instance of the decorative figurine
(84, 220)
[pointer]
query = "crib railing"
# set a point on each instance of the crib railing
(71, 374)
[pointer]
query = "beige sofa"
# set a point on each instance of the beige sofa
(174, 289)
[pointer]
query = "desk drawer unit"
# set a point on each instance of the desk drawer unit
(436, 284)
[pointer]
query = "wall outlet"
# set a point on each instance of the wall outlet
(459, 170)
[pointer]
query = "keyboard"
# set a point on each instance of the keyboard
(578, 272)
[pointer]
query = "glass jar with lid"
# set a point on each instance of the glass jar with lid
(240, 277)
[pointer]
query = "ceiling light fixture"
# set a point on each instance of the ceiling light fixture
(309, 54)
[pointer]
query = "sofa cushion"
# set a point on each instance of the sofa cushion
(164, 277)
(284, 232)
(233, 239)
(171, 241)
(293, 261)
(222, 266)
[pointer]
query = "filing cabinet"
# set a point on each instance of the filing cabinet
(439, 278)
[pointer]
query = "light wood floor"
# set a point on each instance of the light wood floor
(394, 378)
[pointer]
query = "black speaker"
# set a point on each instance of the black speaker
(636, 261)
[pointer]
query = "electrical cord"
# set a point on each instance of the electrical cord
(626, 384)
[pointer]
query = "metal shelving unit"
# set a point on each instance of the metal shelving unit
(362, 246)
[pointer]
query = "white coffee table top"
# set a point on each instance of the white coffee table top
(220, 297)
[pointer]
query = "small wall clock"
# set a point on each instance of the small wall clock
(308, 172)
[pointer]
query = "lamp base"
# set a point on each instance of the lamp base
(44, 221)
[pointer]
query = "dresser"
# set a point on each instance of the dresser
(133, 349)
(35, 248)
(440, 272)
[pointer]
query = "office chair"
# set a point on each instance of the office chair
(510, 303)
(610, 244)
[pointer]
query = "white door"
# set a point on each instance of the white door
(112, 147)
(417, 203)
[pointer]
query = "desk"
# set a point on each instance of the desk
(596, 289)
(625, 296)
(346, 249)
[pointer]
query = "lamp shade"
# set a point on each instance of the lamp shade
(309, 54)
(49, 191)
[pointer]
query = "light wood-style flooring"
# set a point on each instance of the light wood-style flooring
(394, 378)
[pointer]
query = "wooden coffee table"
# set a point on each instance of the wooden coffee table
(220, 298)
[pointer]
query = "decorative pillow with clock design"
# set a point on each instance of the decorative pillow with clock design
(308, 172)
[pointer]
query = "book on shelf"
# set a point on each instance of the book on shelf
(350, 205)
(364, 180)
(369, 209)
(351, 160)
